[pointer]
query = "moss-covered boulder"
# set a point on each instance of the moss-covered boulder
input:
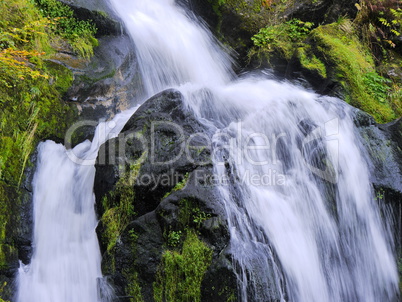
(163, 229)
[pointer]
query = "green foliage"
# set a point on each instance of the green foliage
(383, 18)
(199, 217)
(181, 273)
(174, 238)
(79, 33)
(377, 86)
(191, 215)
(282, 37)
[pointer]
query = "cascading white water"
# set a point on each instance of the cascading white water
(65, 265)
(303, 223)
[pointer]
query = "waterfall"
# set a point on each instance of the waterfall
(65, 264)
(303, 221)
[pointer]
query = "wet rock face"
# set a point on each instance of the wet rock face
(383, 144)
(171, 197)
(109, 82)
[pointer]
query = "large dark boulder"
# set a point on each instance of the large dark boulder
(158, 148)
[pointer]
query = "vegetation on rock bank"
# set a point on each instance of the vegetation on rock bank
(358, 57)
(31, 86)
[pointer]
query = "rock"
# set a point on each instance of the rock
(321, 11)
(176, 199)
(159, 129)
(383, 145)
(110, 82)
(103, 17)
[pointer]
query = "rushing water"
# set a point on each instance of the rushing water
(303, 222)
(65, 265)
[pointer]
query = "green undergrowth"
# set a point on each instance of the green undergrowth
(133, 288)
(282, 38)
(79, 33)
(31, 86)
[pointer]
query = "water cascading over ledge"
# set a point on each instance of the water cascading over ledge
(301, 221)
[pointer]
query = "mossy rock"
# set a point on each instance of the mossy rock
(351, 64)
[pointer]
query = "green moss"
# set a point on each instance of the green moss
(311, 62)
(133, 288)
(181, 273)
(118, 205)
(61, 76)
(332, 51)
(353, 66)
(179, 186)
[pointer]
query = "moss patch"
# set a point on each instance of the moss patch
(179, 186)
(133, 288)
(118, 205)
(181, 272)
(309, 61)
(352, 65)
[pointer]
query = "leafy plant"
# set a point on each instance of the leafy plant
(174, 238)
(283, 37)
(383, 22)
(80, 33)
(199, 217)
(293, 30)
(377, 85)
